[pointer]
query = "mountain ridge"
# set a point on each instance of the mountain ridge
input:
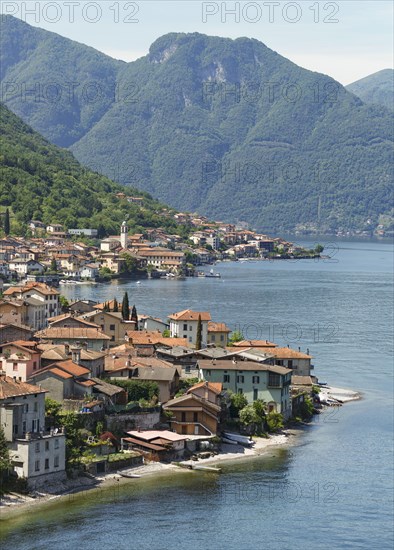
(232, 129)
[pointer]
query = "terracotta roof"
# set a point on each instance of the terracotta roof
(58, 372)
(78, 320)
(189, 315)
(39, 287)
(216, 387)
(86, 383)
(217, 327)
(191, 396)
(149, 435)
(72, 368)
(288, 353)
(72, 333)
(153, 337)
(12, 388)
(301, 380)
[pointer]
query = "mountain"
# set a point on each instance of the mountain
(226, 127)
(377, 88)
(40, 181)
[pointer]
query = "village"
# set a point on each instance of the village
(54, 254)
(88, 388)
(98, 387)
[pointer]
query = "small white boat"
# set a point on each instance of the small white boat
(124, 474)
(138, 283)
(240, 439)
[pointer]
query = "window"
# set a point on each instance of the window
(56, 443)
(208, 373)
(15, 366)
(184, 326)
(35, 425)
(274, 380)
(195, 417)
(255, 394)
(15, 429)
(111, 327)
(37, 466)
(56, 462)
(190, 327)
(35, 406)
(35, 365)
(240, 379)
(37, 447)
(240, 390)
(24, 426)
(290, 364)
(183, 417)
(190, 339)
(213, 338)
(222, 337)
(256, 379)
(47, 463)
(47, 445)
(226, 378)
(26, 408)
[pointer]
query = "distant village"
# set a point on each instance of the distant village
(53, 254)
(90, 387)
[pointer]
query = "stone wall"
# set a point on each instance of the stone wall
(144, 421)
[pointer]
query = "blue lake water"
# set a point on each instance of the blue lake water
(334, 489)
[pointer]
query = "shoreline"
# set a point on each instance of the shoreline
(13, 505)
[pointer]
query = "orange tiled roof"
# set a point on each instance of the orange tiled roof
(71, 368)
(216, 387)
(288, 353)
(217, 327)
(12, 388)
(58, 372)
(189, 315)
(72, 333)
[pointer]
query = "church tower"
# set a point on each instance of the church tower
(124, 231)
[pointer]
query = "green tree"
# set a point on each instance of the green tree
(274, 421)
(125, 307)
(166, 333)
(129, 266)
(248, 416)
(106, 307)
(99, 428)
(199, 333)
(134, 316)
(319, 248)
(52, 410)
(116, 306)
(7, 222)
(236, 336)
(238, 402)
(64, 303)
(53, 266)
(5, 461)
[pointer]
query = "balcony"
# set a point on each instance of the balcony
(35, 436)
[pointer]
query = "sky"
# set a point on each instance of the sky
(346, 39)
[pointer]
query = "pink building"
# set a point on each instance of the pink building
(20, 359)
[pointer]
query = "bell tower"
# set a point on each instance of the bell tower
(124, 231)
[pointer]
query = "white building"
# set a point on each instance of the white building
(124, 233)
(22, 267)
(37, 455)
(184, 325)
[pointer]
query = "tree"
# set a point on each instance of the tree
(166, 333)
(52, 410)
(116, 306)
(53, 266)
(5, 461)
(125, 307)
(199, 333)
(274, 421)
(236, 336)
(134, 316)
(64, 303)
(238, 402)
(319, 248)
(106, 307)
(248, 416)
(130, 264)
(7, 222)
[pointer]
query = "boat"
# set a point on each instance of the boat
(212, 274)
(138, 283)
(240, 439)
(124, 474)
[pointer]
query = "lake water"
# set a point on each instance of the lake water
(333, 490)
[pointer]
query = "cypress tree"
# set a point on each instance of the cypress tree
(125, 307)
(7, 222)
(199, 333)
(116, 306)
(134, 316)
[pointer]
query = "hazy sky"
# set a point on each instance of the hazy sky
(346, 39)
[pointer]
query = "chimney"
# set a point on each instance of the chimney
(299, 349)
(76, 355)
(307, 351)
(67, 349)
